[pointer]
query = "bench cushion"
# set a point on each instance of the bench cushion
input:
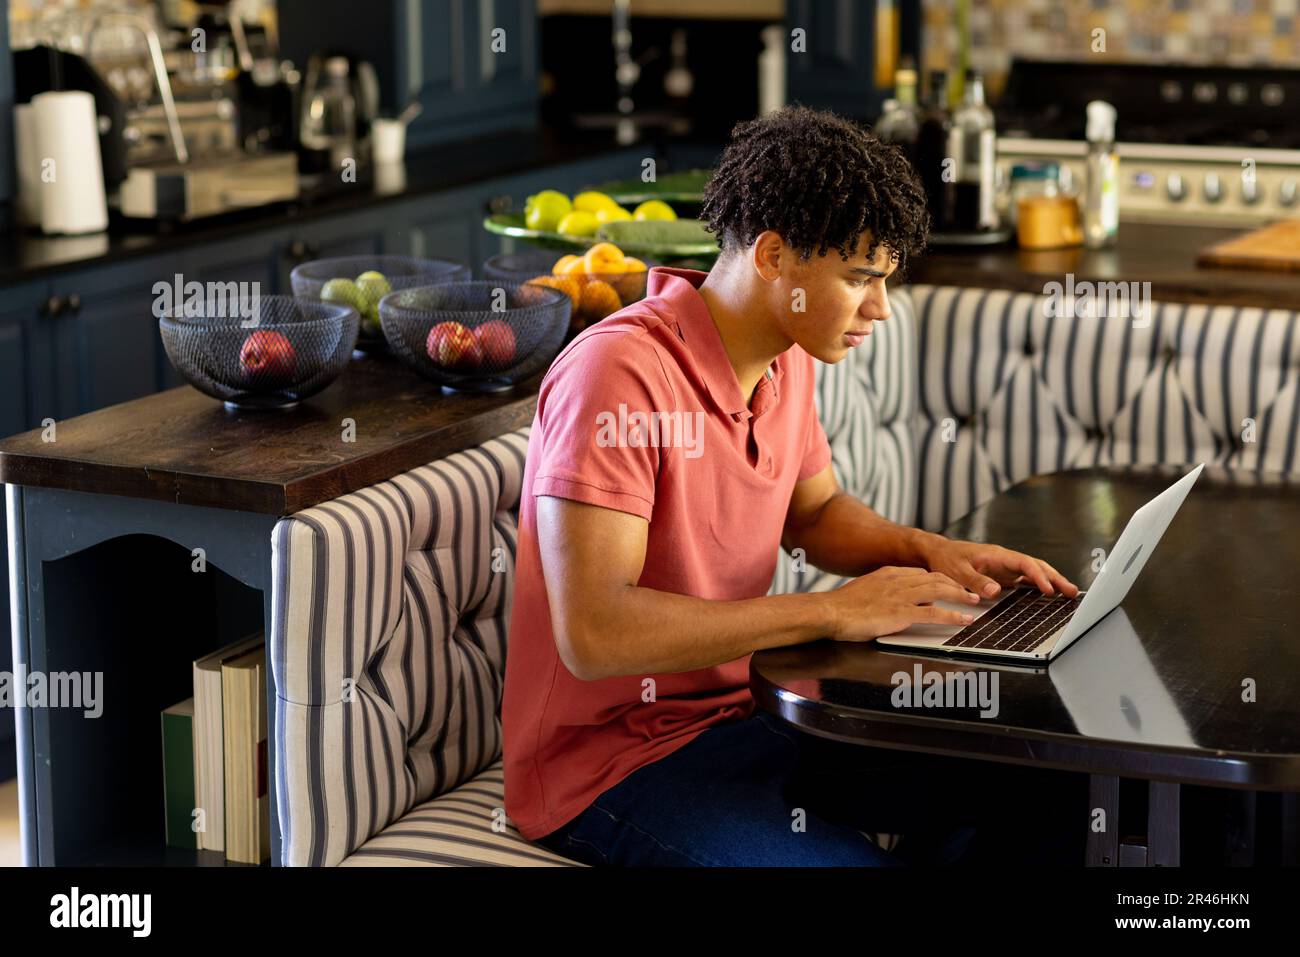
(464, 827)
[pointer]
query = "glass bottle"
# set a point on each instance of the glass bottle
(931, 152)
(972, 143)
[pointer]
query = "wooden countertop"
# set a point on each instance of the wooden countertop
(184, 447)
(1163, 255)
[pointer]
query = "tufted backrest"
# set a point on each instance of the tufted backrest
(388, 645)
(1008, 389)
(867, 405)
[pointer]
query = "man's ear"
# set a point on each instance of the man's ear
(766, 254)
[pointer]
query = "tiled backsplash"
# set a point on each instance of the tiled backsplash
(1222, 32)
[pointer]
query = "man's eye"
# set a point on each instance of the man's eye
(858, 282)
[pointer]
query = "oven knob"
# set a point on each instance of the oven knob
(1286, 193)
(1250, 191)
(1174, 186)
(1213, 188)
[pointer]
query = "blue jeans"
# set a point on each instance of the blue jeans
(758, 792)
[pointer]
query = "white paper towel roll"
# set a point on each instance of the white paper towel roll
(70, 174)
(29, 165)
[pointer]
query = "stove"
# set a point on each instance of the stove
(1206, 145)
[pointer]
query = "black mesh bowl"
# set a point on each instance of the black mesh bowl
(402, 272)
(292, 349)
(476, 336)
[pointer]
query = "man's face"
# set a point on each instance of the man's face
(841, 300)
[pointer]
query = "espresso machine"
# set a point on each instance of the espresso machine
(192, 124)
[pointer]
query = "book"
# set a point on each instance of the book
(247, 812)
(209, 749)
(178, 774)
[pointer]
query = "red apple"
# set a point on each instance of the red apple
(453, 346)
(498, 342)
(268, 358)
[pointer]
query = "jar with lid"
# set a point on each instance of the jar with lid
(1032, 179)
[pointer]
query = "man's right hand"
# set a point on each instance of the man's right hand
(891, 599)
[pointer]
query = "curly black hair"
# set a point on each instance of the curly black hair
(820, 181)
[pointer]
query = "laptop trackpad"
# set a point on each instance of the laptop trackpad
(931, 630)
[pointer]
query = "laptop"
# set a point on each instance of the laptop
(1026, 625)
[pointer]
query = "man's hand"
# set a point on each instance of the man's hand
(986, 569)
(892, 598)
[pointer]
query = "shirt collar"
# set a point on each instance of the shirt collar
(680, 289)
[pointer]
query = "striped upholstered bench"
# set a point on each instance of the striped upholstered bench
(388, 645)
(388, 638)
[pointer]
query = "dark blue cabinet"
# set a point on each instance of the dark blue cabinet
(445, 57)
(836, 68)
(108, 341)
(26, 397)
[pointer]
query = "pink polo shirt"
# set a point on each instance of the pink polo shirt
(643, 413)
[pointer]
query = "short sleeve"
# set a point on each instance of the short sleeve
(588, 408)
(817, 450)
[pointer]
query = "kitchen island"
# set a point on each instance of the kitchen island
(140, 539)
(1163, 255)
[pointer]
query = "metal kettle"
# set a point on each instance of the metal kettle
(340, 100)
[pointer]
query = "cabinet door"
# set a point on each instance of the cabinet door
(355, 234)
(26, 397)
(445, 57)
(836, 70)
(443, 227)
(108, 343)
(27, 368)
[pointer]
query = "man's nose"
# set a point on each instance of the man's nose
(876, 307)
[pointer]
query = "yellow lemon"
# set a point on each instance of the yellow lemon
(653, 209)
(592, 201)
(544, 210)
(578, 223)
(612, 214)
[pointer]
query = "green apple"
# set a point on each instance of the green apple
(372, 286)
(343, 291)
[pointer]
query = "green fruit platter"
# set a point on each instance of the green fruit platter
(685, 187)
(555, 221)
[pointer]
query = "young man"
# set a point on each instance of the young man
(676, 445)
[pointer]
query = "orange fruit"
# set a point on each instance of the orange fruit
(599, 300)
(631, 285)
(575, 270)
(604, 258)
(570, 287)
(563, 263)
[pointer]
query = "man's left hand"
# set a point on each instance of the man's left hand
(987, 569)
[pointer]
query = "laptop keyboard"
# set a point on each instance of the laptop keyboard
(1021, 621)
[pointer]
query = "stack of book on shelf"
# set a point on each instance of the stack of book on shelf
(214, 757)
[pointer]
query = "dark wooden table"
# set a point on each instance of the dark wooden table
(1194, 679)
(140, 539)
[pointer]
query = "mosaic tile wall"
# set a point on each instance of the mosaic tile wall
(1226, 32)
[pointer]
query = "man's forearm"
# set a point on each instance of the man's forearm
(848, 538)
(641, 631)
